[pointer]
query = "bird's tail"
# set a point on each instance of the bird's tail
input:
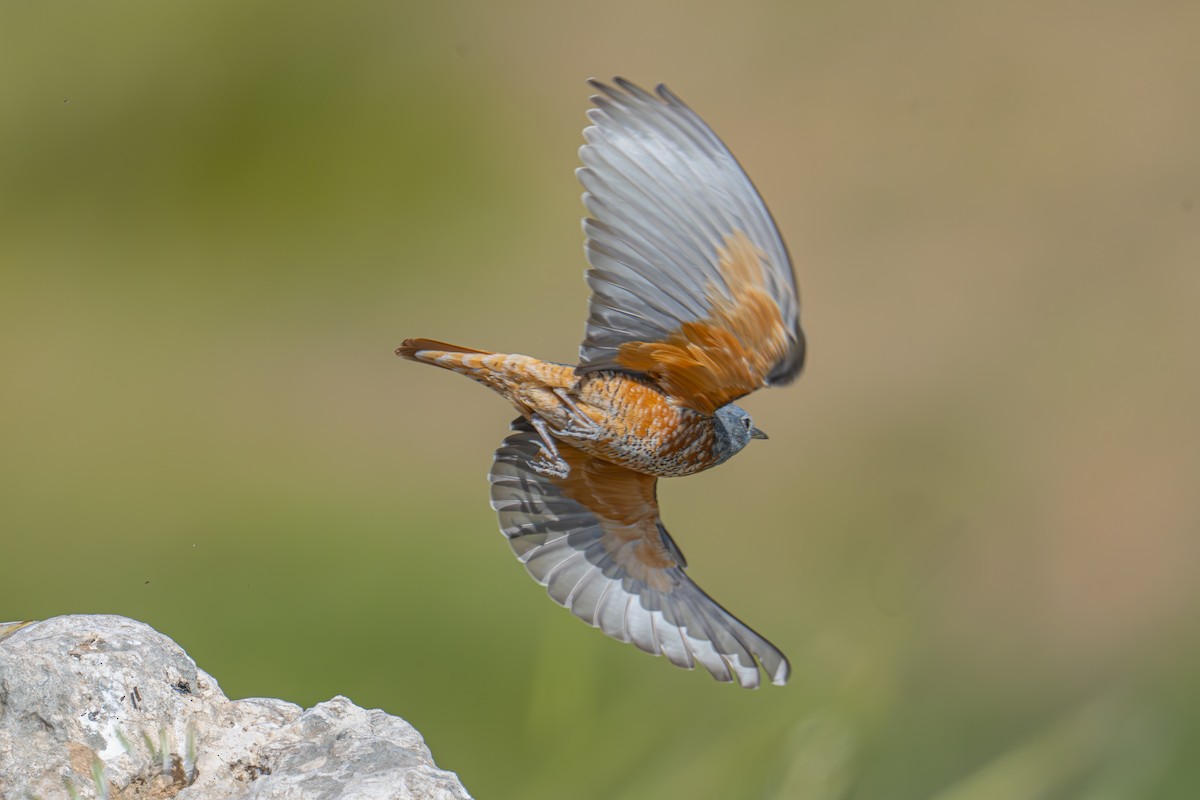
(478, 364)
(506, 373)
(430, 351)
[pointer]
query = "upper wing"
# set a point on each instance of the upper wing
(691, 282)
(595, 540)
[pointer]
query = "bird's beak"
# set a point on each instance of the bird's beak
(755, 433)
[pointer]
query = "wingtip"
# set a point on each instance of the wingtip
(752, 680)
(782, 673)
(628, 86)
(621, 90)
(603, 88)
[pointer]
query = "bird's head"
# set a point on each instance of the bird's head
(734, 431)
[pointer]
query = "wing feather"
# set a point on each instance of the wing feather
(595, 541)
(669, 204)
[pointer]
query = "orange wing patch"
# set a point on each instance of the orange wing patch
(625, 504)
(710, 362)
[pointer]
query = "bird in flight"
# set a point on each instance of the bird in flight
(693, 306)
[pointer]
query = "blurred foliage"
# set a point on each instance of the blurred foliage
(974, 529)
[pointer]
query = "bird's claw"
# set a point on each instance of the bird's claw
(549, 465)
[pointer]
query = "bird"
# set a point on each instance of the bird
(693, 305)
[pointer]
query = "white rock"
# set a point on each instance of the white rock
(106, 706)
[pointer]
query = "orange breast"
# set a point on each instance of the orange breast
(644, 429)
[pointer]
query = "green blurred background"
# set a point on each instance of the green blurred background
(976, 527)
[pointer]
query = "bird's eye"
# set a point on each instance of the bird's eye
(747, 421)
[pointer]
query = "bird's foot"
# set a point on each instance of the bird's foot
(549, 465)
(590, 432)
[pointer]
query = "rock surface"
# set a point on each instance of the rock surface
(105, 706)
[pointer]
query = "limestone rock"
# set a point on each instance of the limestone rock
(105, 706)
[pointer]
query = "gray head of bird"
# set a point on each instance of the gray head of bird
(734, 430)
